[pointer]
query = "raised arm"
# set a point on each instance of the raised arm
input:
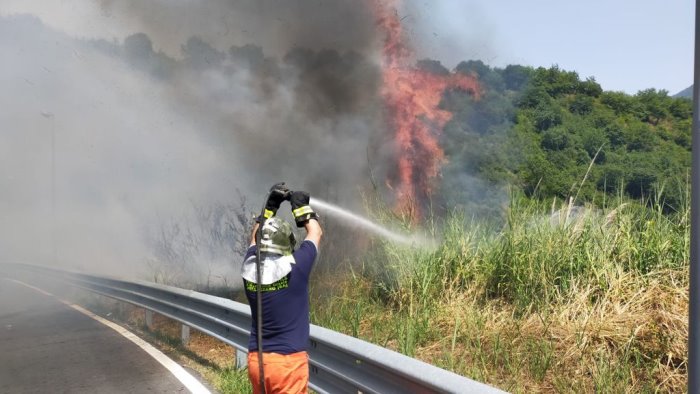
(313, 231)
(252, 235)
(305, 216)
(278, 194)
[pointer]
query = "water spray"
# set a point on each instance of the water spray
(333, 210)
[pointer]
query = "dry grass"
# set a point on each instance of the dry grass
(632, 338)
(594, 304)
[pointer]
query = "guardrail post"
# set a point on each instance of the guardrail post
(149, 319)
(185, 335)
(241, 358)
(121, 310)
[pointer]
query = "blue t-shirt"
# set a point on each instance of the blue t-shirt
(285, 306)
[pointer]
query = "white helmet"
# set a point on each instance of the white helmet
(277, 237)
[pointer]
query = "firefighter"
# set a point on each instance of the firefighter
(285, 293)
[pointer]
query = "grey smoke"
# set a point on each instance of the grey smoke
(163, 110)
(275, 25)
(143, 135)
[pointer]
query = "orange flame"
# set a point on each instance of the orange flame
(412, 97)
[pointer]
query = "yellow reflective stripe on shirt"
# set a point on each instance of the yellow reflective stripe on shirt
(268, 214)
(280, 284)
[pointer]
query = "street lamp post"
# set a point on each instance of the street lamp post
(694, 288)
(49, 115)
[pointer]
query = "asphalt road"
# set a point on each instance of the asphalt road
(48, 347)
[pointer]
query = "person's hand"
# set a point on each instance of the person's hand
(301, 209)
(278, 194)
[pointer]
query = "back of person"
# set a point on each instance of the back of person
(284, 283)
(285, 305)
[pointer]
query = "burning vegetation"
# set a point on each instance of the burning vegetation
(412, 99)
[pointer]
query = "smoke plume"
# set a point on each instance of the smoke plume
(105, 141)
(127, 120)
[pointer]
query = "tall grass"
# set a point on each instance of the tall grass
(538, 256)
(554, 298)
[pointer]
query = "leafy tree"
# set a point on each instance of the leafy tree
(249, 56)
(611, 179)
(546, 116)
(655, 105)
(138, 46)
(432, 66)
(639, 137)
(681, 108)
(201, 55)
(534, 96)
(556, 138)
(590, 87)
(138, 52)
(619, 102)
(557, 82)
(592, 141)
(516, 77)
(476, 67)
(581, 105)
(682, 133)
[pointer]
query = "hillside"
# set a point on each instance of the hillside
(552, 134)
(555, 298)
(687, 93)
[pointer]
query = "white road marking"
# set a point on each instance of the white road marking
(190, 382)
(33, 288)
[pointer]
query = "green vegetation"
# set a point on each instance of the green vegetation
(580, 283)
(575, 281)
(233, 381)
(540, 129)
(561, 300)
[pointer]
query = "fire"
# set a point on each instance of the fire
(412, 97)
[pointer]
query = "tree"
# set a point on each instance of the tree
(619, 102)
(249, 56)
(138, 47)
(546, 116)
(556, 138)
(557, 82)
(558, 124)
(655, 105)
(201, 55)
(581, 105)
(640, 137)
(432, 66)
(476, 67)
(534, 96)
(516, 77)
(590, 87)
(681, 108)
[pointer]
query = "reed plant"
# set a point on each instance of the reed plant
(553, 298)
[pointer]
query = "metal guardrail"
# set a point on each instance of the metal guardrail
(338, 363)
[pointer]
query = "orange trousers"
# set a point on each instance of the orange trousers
(284, 373)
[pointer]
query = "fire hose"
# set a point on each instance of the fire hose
(258, 296)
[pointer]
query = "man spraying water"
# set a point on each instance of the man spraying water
(282, 281)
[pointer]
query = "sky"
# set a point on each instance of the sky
(626, 45)
(108, 147)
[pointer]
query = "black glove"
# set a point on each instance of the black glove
(301, 209)
(278, 194)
